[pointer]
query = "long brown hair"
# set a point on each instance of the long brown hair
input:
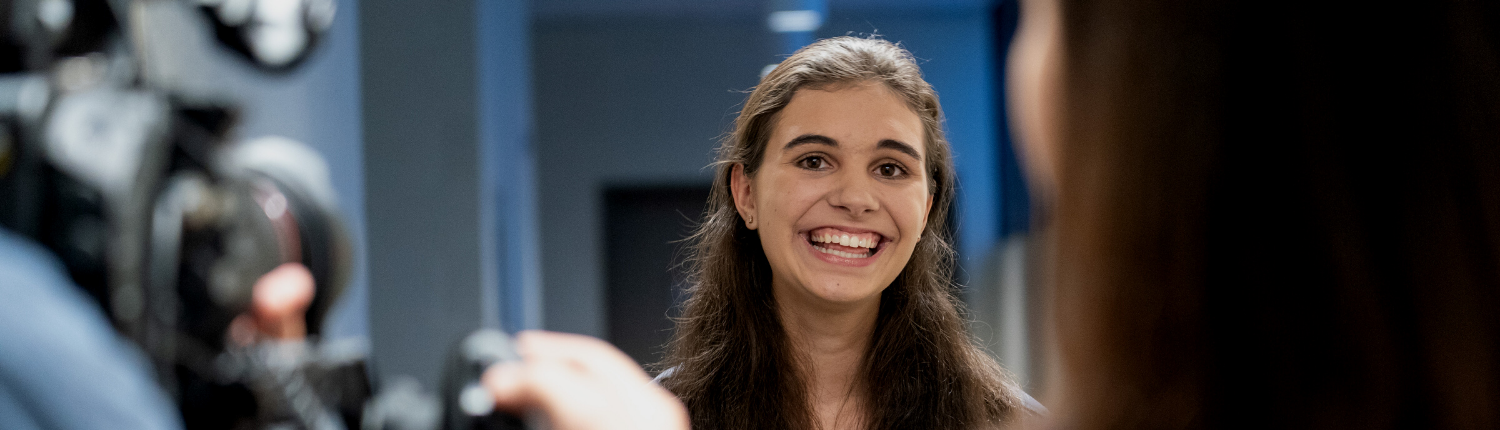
(734, 367)
(1278, 218)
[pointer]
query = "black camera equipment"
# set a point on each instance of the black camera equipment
(114, 159)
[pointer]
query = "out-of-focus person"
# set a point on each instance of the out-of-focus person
(1267, 217)
(578, 383)
(63, 366)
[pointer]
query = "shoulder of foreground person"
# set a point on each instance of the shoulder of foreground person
(62, 366)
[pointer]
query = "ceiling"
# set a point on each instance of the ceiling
(573, 9)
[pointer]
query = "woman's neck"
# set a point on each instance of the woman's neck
(833, 343)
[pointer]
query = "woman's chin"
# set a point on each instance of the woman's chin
(845, 291)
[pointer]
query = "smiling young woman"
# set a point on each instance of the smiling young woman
(822, 293)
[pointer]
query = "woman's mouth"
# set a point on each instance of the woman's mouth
(844, 244)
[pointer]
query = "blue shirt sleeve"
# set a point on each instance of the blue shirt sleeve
(62, 366)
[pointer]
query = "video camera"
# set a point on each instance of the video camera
(133, 177)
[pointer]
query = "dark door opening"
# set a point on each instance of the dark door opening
(644, 228)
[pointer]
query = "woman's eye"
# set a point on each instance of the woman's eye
(890, 170)
(813, 163)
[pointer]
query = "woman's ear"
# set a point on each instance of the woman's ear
(744, 194)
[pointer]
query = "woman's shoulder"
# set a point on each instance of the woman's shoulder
(670, 370)
(1027, 402)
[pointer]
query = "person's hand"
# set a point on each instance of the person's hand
(278, 307)
(582, 383)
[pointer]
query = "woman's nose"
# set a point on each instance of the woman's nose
(854, 195)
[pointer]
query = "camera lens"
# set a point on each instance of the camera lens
(289, 183)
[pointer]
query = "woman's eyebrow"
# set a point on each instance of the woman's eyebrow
(899, 146)
(810, 138)
(825, 140)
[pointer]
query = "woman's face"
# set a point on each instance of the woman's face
(841, 196)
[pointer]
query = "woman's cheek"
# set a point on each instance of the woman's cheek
(912, 218)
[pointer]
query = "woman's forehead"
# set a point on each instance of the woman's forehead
(867, 115)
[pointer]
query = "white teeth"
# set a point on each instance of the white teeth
(841, 253)
(854, 241)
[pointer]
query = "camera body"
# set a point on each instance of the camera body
(133, 176)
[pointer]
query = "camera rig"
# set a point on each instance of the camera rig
(111, 157)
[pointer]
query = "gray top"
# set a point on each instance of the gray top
(62, 366)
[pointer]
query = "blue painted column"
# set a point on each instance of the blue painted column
(505, 127)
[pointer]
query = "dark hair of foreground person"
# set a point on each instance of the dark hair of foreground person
(1278, 217)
